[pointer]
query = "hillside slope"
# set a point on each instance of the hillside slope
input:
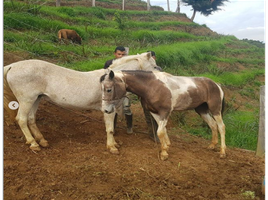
(77, 164)
(182, 48)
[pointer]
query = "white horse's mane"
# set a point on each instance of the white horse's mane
(124, 60)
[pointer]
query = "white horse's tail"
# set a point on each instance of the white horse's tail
(9, 115)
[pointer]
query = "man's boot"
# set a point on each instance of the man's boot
(129, 123)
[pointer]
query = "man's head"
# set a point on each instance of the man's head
(153, 54)
(119, 52)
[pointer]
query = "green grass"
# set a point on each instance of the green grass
(242, 129)
(235, 79)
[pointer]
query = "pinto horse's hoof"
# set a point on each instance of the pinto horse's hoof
(222, 155)
(211, 146)
(35, 148)
(164, 156)
(44, 143)
(114, 150)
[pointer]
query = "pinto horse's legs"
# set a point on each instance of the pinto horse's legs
(214, 129)
(216, 124)
(221, 128)
(109, 124)
(203, 111)
(33, 127)
(22, 119)
(162, 135)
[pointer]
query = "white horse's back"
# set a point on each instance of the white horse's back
(66, 87)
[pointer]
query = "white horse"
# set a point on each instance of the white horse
(161, 93)
(30, 80)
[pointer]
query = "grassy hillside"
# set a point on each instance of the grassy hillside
(182, 48)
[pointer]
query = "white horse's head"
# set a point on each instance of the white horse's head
(142, 61)
(113, 92)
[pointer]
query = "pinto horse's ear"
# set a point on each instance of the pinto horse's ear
(102, 77)
(111, 74)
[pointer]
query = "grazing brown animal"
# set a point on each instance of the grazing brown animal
(68, 34)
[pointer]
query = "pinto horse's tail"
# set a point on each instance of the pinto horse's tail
(9, 115)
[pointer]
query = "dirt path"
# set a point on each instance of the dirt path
(78, 166)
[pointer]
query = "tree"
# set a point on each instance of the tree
(178, 10)
(57, 3)
(168, 7)
(148, 5)
(123, 4)
(205, 7)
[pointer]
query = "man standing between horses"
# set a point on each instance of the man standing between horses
(119, 52)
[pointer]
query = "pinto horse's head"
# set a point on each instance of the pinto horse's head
(113, 92)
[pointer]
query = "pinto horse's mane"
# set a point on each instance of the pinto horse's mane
(140, 72)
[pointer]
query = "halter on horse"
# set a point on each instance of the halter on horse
(161, 93)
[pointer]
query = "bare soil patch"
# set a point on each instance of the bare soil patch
(77, 164)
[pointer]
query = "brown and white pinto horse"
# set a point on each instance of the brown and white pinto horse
(161, 93)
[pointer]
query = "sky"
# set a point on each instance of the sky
(245, 19)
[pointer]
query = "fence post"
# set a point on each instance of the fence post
(261, 138)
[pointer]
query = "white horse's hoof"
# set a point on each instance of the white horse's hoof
(44, 143)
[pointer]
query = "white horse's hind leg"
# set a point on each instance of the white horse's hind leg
(214, 129)
(109, 124)
(221, 128)
(22, 119)
(33, 127)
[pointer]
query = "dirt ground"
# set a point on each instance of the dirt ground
(77, 164)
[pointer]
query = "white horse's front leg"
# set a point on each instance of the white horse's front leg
(109, 124)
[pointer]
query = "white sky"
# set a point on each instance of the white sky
(241, 18)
